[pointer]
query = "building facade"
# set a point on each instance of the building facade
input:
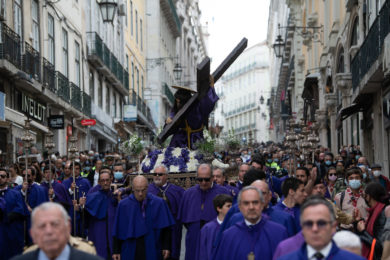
(341, 72)
(244, 90)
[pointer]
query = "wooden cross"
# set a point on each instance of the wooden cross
(203, 85)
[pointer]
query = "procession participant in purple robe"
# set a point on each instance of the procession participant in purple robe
(191, 127)
(249, 177)
(255, 237)
(172, 195)
(277, 216)
(222, 204)
(294, 194)
(101, 206)
(318, 226)
(57, 192)
(220, 179)
(197, 208)
(14, 215)
(289, 245)
(80, 188)
(2, 214)
(242, 170)
(142, 227)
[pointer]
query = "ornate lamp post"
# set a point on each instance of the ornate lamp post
(72, 150)
(49, 145)
(108, 7)
(27, 139)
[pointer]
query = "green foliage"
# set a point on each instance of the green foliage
(133, 146)
(232, 141)
(207, 145)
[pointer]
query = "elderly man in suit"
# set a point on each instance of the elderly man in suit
(50, 230)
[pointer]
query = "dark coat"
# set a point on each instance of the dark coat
(74, 254)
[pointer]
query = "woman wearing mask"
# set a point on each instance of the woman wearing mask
(335, 184)
(376, 198)
(376, 170)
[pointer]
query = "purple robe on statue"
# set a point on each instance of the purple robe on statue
(191, 128)
(197, 209)
(207, 236)
(101, 206)
(240, 240)
(173, 195)
(289, 245)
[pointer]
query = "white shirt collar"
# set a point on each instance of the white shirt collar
(325, 251)
(219, 221)
(63, 256)
(251, 224)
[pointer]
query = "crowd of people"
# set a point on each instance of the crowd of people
(261, 204)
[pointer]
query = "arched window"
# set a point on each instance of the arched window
(340, 62)
(355, 32)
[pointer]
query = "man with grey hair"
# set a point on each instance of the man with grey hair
(50, 230)
(255, 237)
(220, 179)
(172, 195)
(196, 208)
(349, 241)
(318, 226)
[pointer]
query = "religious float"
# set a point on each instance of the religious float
(191, 143)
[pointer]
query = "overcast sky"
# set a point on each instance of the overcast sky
(231, 20)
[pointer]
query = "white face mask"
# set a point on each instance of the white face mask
(377, 173)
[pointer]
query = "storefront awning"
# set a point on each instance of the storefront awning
(345, 112)
(102, 133)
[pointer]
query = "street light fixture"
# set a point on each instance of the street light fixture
(108, 7)
(177, 71)
(278, 47)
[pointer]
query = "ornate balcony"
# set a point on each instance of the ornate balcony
(87, 104)
(32, 62)
(49, 75)
(75, 100)
(10, 46)
(63, 90)
(371, 47)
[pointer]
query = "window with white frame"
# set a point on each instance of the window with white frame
(50, 40)
(136, 26)
(131, 17)
(18, 17)
(65, 52)
(92, 85)
(35, 24)
(107, 100)
(100, 93)
(114, 105)
(140, 34)
(77, 63)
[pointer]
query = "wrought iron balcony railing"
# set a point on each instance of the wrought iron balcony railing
(87, 104)
(63, 89)
(372, 46)
(49, 75)
(10, 48)
(75, 94)
(32, 62)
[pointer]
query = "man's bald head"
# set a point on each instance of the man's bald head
(264, 188)
(140, 187)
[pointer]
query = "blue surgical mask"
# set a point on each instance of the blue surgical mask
(269, 160)
(364, 176)
(118, 175)
(357, 157)
(42, 168)
(87, 169)
(250, 153)
(276, 160)
(328, 162)
(355, 184)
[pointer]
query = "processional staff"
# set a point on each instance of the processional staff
(49, 145)
(72, 150)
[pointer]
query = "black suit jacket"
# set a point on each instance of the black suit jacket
(74, 255)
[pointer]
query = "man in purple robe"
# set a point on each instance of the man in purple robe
(222, 204)
(289, 245)
(294, 194)
(277, 216)
(253, 238)
(197, 207)
(172, 195)
(101, 206)
(220, 179)
(57, 192)
(142, 226)
(77, 189)
(13, 218)
(191, 127)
